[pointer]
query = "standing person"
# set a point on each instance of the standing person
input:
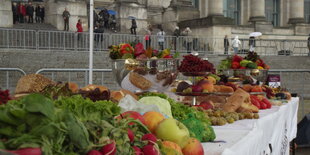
(113, 23)
(22, 11)
(79, 28)
(161, 38)
(308, 44)
(133, 27)
(42, 13)
(187, 32)
(176, 35)
(226, 45)
(235, 44)
(252, 43)
(30, 11)
(147, 37)
(66, 16)
(38, 14)
(15, 12)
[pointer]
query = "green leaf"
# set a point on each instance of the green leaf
(176, 55)
(39, 103)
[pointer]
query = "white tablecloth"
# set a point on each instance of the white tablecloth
(275, 128)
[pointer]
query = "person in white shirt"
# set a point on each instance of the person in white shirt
(235, 44)
(161, 38)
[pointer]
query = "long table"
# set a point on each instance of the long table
(270, 134)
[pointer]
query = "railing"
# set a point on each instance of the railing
(79, 76)
(11, 75)
(64, 41)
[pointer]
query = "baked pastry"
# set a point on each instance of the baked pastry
(223, 89)
(92, 87)
(247, 107)
(32, 83)
(118, 95)
(247, 87)
(139, 81)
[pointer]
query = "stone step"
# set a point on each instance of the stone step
(34, 26)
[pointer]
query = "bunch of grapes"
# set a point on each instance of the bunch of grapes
(4, 96)
(193, 63)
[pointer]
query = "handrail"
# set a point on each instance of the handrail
(13, 69)
(71, 69)
(289, 70)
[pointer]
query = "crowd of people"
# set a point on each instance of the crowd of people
(25, 13)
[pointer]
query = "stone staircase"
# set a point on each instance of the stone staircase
(35, 26)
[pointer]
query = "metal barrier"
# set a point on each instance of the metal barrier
(7, 78)
(63, 41)
(80, 76)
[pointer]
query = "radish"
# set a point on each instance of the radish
(150, 150)
(27, 151)
(137, 150)
(109, 149)
(94, 152)
(131, 136)
(150, 138)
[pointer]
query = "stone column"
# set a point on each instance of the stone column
(6, 15)
(215, 8)
(257, 10)
(296, 12)
(203, 8)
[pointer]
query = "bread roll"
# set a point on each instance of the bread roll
(92, 87)
(139, 81)
(118, 95)
(32, 83)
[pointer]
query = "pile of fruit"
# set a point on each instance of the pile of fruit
(137, 51)
(251, 61)
(192, 64)
(4, 96)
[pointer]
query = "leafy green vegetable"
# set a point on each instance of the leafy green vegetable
(161, 103)
(39, 103)
(252, 65)
(225, 64)
(85, 109)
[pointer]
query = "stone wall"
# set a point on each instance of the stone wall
(54, 10)
(6, 15)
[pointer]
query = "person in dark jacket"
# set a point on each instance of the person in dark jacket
(15, 12)
(308, 44)
(22, 12)
(42, 13)
(226, 45)
(133, 27)
(66, 16)
(29, 11)
(38, 14)
(176, 34)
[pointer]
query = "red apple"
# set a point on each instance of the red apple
(193, 147)
(197, 88)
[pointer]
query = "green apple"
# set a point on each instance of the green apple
(172, 130)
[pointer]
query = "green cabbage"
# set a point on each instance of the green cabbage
(163, 104)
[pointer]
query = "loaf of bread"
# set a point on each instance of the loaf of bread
(32, 83)
(247, 107)
(139, 81)
(236, 99)
(223, 89)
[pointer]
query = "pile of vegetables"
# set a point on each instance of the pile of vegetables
(67, 125)
(197, 122)
(251, 61)
(137, 51)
